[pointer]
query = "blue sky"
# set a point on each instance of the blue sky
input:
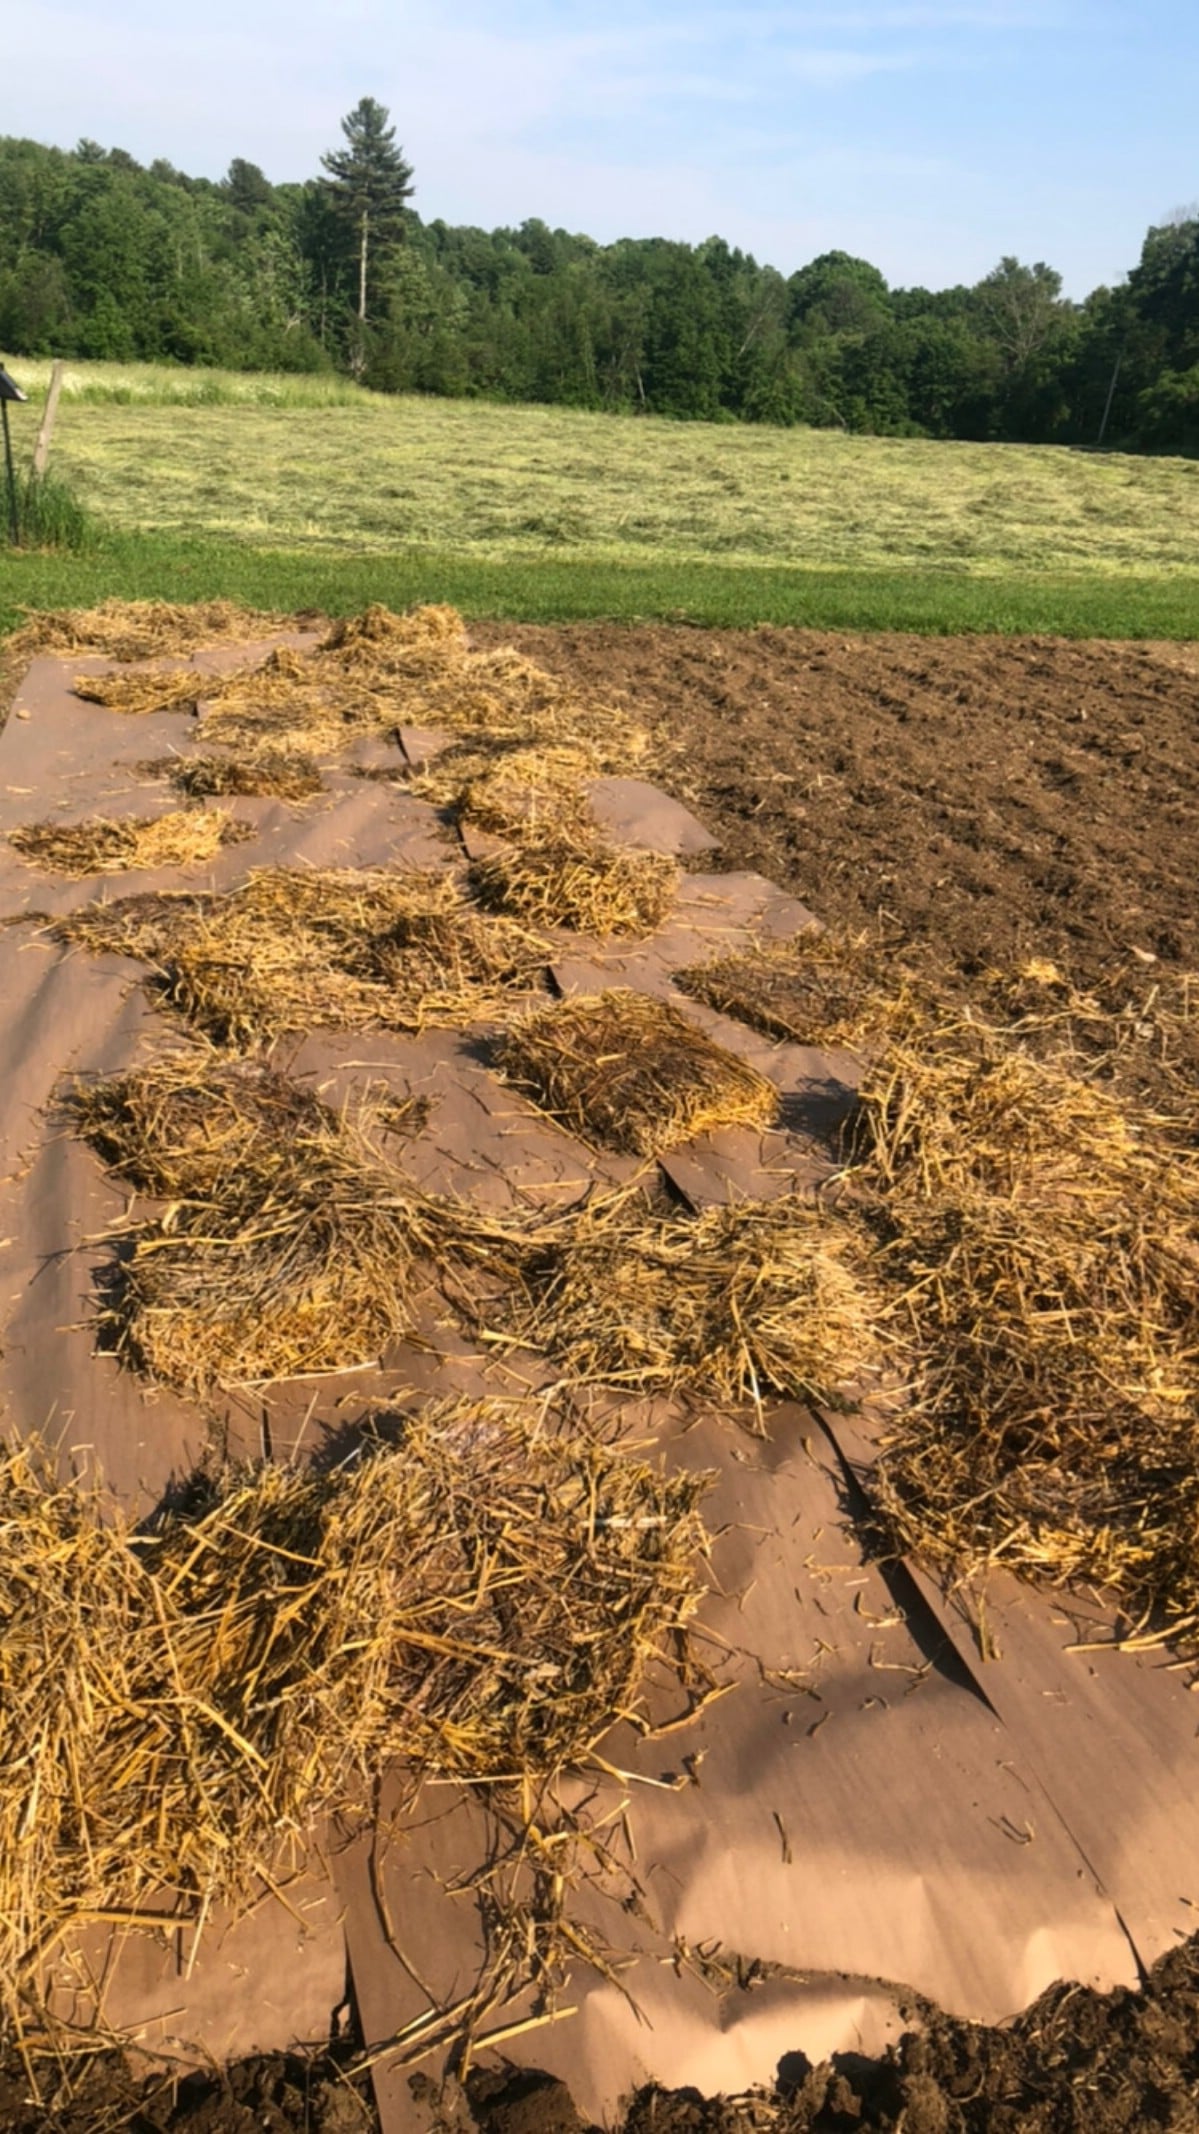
(930, 136)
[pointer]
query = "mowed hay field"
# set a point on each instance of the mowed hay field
(314, 464)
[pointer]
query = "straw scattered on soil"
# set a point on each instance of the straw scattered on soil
(185, 837)
(575, 879)
(1041, 1243)
(182, 1706)
(822, 988)
(735, 1303)
(138, 629)
(629, 1073)
(283, 773)
(350, 949)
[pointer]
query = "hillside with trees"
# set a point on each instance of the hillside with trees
(101, 257)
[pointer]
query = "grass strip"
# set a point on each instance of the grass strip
(550, 589)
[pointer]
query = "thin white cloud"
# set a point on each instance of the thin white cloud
(693, 119)
(830, 69)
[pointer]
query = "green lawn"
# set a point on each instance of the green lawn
(307, 492)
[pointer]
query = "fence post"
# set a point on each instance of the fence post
(41, 450)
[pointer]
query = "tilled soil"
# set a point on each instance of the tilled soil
(1075, 2063)
(974, 802)
(1000, 795)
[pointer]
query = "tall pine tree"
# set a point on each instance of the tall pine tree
(369, 183)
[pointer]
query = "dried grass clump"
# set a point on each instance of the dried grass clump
(527, 792)
(1054, 1424)
(379, 641)
(183, 1707)
(421, 663)
(956, 1106)
(1042, 1243)
(573, 878)
(734, 1303)
(184, 1128)
(293, 701)
(335, 948)
(291, 1249)
(138, 695)
(821, 988)
(145, 926)
(630, 1073)
(138, 629)
(286, 774)
(185, 837)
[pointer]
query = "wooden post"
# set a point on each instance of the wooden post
(14, 523)
(41, 450)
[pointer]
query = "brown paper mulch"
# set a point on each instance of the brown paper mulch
(1026, 2076)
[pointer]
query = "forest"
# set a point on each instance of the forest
(103, 257)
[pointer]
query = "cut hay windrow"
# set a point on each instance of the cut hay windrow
(822, 988)
(283, 773)
(732, 1304)
(629, 1073)
(350, 949)
(289, 1245)
(575, 879)
(183, 1707)
(1041, 1245)
(185, 837)
(140, 629)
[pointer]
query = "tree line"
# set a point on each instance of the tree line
(101, 257)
